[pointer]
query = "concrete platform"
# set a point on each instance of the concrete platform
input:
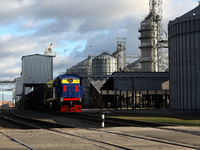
(43, 139)
(9, 144)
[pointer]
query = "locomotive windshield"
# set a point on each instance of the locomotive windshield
(70, 81)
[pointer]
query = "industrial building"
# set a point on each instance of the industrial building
(132, 90)
(184, 61)
(36, 70)
(100, 70)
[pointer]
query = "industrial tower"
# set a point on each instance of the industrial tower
(151, 39)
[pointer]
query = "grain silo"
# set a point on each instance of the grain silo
(82, 68)
(104, 64)
(151, 35)
(184, 65)
(135, 66)
(146, 46)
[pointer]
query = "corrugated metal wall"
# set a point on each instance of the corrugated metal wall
(104, 64)
(146, 46)
(37, 69)
(184, 55)
(144, 81)
(18, 86)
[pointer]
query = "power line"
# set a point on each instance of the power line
(73, 30)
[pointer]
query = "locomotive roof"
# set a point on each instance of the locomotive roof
(68, 76)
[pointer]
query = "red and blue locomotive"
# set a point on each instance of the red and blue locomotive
(63, 94)
(69, 92)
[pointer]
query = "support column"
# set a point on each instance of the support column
(148, 99)
(101, 100)
(23, 98)
(166, 99)
(127, 99)
(90, 96)
(115, 100)
(120, 102)
(156, 99)
(139, 99)
(107, 98)
(133, 99)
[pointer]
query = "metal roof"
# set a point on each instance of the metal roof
(135, 65)
(36, 55)
(104, 56)
(85, 63)
(98, 84)
(193, 12)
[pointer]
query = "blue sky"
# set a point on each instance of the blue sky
(75, 27)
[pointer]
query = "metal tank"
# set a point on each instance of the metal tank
(146, 38)
(184, 63)
(82, 68)
(104, 64)
(135, 66)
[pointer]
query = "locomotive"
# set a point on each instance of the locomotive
(63, 94)
(69, 92)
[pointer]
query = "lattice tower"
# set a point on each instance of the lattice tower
(121, 52)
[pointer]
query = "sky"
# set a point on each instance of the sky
(75, 27)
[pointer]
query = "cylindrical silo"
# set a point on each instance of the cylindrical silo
(104, 64)
(184, 56)
(82, 68)
(146, 46)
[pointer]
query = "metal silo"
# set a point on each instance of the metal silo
(146, 46)
(104, 64)
(184, 65)
(82, 68)
(135, 67)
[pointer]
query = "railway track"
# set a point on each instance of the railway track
(105, 143)
(39, 124)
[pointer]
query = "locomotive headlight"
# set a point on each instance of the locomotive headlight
(80, 99)
(61, 99)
